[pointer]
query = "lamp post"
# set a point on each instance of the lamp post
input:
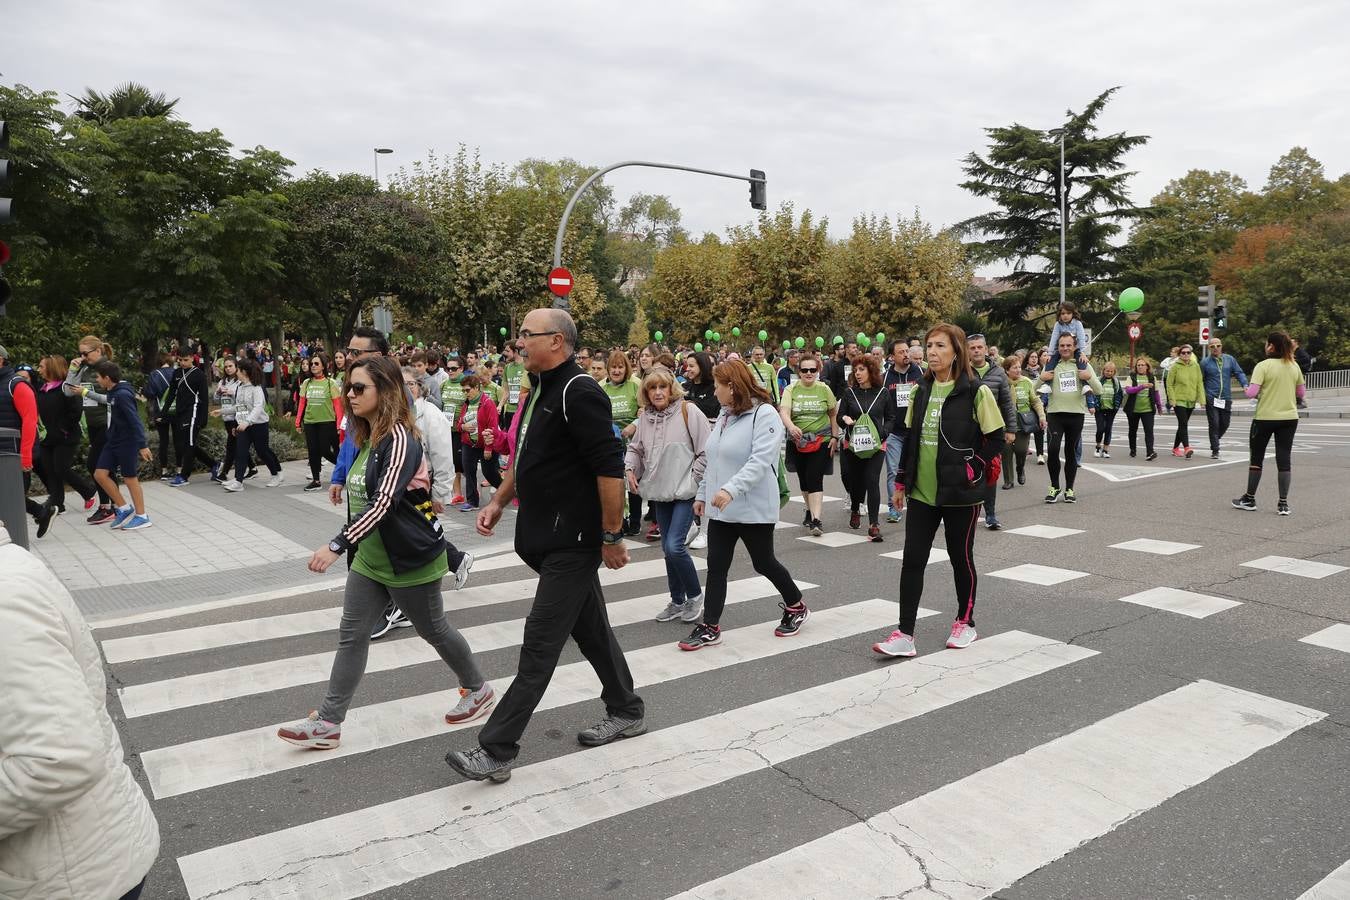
(376, 154)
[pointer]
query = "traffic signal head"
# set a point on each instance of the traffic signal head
(5, 207)
(759, 194)
(1206, 300)
(1220, 316)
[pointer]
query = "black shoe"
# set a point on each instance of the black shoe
(479, 765)
(44, 518)
(1007, 485)
(992, 523)
(1132, 453)
(793, 617)
(816, 528)
(1246, 501)
(1021, 477)
(630, 527)
(251, 473)
(101, 515)
(610, 729)
(1151, 456)
(392, 618)
(1214, 454)
(313, 486)
(806, 519)
(702, 636)
(1282, 509)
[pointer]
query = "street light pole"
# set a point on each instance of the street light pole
(377, 153)
(1063, 216)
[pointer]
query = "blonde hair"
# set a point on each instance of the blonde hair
(659, 375)
(90, 341)
(616, 359)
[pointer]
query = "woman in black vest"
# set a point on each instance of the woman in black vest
(955, 434)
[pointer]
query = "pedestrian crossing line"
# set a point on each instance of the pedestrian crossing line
(258, 678)
(1335, 886)
(508, 560)
(1186, 603)
(246, 631)
(973, 837)
(154, 615)
(214, 761)
(1288, 565)
(389, 844)
(1335, 637)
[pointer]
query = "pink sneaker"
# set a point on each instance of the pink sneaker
(962, 635)
(1178, 452)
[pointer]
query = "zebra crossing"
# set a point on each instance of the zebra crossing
(246, 816)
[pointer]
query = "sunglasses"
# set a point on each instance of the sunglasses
(356, 388)
(805, 371)
(1185, 353)
(452, 368)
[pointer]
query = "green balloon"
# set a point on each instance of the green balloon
(763, 335)
(421, 346)
(820, 342)
(502, 331)
(800, 342)
(1131, 300)
(787, 345)
(659, 337)
(837, 340)
(859, 337)
(410, 337)
(717, 336)
(865, 341)
(736, 331)
(698, 346)
(881, 337)
(707, 335)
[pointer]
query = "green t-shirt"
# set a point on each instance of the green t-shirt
(494, 390)
(1108, 399)
(452, 397)
(767, 376)
(1143, 401)
(1022, 392)
(513, 376)
(811, 407)
(1066, 391)
(372, 560)
(623, 401)
(319, 395)
(1279, 380)
(986, 414)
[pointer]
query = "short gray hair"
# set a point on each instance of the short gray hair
(561, 321)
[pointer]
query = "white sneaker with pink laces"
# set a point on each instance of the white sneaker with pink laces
(962, 635)
(898, 644)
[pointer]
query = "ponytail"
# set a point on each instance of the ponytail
(103, 347)
(106, 349)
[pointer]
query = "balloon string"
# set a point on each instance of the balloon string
(1108, 324)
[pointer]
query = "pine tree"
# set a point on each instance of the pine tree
(1020, 173)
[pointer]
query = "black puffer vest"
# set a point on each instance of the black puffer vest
(960, 444)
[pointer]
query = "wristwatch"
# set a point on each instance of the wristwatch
(335, 546)
(611, 537)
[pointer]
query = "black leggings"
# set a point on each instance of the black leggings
(1106, 419)
(921, 526)
(321, 440)
(255, 437)
(98, 435)
(1183, 438)
(758, 539)
(862, 478)
(812, 469)
(1069, 428)
(231, 442)
(1262, 431)
(57, 472)
(1134, 418)
(1015, 456)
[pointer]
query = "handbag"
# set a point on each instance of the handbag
(672, 476)
(1028, 420)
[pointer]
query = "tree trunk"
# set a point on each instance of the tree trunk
(278, 341)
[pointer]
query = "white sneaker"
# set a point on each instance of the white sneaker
(898, 644)
(462, 573)
(962, 635)
(277, 480)
(233, 486)
(700, 542)
(1097, 452)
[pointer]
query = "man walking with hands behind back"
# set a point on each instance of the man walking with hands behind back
(568, 473)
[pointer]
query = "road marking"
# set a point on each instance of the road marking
(227, 684)
(1187, 603)
(824, 497)
(247, 631)
(1335, 637)
(1044, 531)
(835, 539)
(936, 555)
(214, 761)
(1135, 473)
(973, 837)
(1161, 548)
(393, 843)
(310, 587)
(1287, 565)
(1031, 573)
(1335, 886)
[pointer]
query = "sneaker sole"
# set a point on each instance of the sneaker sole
(795, 631)
(478, 713)
(877, 648)
(664, 618)
(951, 645)
(137, 527)
(690, 648)
(313, 743)
(641, 730)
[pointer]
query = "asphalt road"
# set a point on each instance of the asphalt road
(1086, 746)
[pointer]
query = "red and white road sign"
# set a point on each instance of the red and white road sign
(1135, 331)
(1204, 334)
(560, 282)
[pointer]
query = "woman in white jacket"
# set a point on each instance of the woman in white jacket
(74, 825)
(739, 492)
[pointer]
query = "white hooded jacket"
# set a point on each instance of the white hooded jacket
(74, 825)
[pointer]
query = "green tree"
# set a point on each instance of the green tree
(780, 266)
(129, 100)
(1296, 190)
(693, 286)
(646, 224)
(1020, 173)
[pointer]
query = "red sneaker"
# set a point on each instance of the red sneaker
(457, 500)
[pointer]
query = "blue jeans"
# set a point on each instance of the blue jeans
(895, 449)
(674, 518)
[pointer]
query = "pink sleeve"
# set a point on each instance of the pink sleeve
(1300, 390)
(1254, 389)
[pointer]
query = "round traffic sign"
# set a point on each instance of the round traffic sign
(560, 281)
(1134, 331)
(1204, 334)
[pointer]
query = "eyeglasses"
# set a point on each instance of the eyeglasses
(526, 335)
(353, 351)
(810, 371)
(355, 387)
(1185, 353)
(452, 369)
(411, 384)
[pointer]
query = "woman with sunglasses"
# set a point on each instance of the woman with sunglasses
(397, 551)
(809, 411)
(317, 413)
(452, 400)
(1142, 403)
(1185, 391)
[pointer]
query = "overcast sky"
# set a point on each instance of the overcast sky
(849, 107)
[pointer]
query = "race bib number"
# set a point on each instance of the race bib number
(902, 392)
(1068, 382)
(861, 442)
(513, 395)
(1219, 403)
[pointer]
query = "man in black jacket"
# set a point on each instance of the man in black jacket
(568, 473)
(188, 406)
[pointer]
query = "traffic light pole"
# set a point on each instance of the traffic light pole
(561, 302)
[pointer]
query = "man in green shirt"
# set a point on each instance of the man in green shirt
(764, 373)
(513, 375)
(452, 398)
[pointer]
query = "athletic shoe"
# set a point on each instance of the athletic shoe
(457, 500)
(178, 481)
(1178, 452)
(654, 532)
(1070, 496)
(101, 515)
(479, 765)
(992, 523)
(1040, 459)
(610, 729)
(466, 506)
(672, 612)
(1151, 456)
(1106, 453)
(631, 528)
(120, 517)
(89, 501)
(806, 519)
(233, 486)
(1246, 501)
(312, 733)
(892, 516)
(693, 609)
(215, 473)
(393, 618)
(313, 486)
(1021, 477)
(1097, 452)
(874, 533)
(1282, 509)
(1052, 495)
(700, 541)
(1214, 454)
(1132, 453)
(137, 522)
(854, 519)
(165, 476)
(44, 518)
(462, 573)
(1007, 485)
(898, 644)
(472, 704)
(1189, 452)
(277, 480)
(702, 636)
(251, 473)
(793, 618)
(816, 528)
(962, 635)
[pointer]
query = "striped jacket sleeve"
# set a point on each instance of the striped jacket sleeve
(399, 466)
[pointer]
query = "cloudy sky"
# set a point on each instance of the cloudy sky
(848, 106)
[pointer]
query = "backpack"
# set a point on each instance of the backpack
(864, 440)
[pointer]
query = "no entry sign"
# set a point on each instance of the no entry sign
(560, 282)
(1135, 331)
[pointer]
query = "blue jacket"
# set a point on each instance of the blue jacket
(124, 419)
(743, 454)
(1220, 375)
(346, 456)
